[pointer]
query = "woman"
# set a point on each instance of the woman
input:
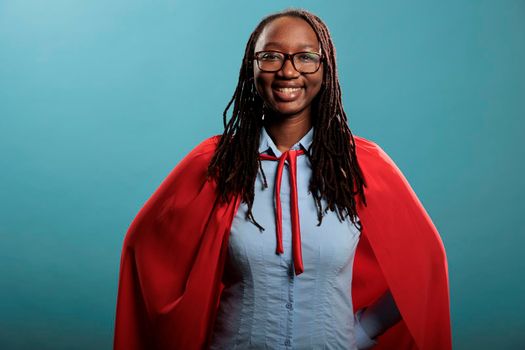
(227, 255)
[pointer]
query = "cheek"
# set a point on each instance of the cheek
(262, 84)
(258, 81)
(259, 87)
(321, 76)
(316, 85)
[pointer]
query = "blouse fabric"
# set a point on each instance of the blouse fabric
(264, 305)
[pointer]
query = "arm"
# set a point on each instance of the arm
(374, 320)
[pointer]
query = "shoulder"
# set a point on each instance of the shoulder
(181, 186)
(385, 181)
(196, 161)
(205, 148)
(193, 166)
(381, 173)
(199, 157)
(208, 144)
(370, 154)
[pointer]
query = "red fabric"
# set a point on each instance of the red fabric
(174, 252)
(291, 156)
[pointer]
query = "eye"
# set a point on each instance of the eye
(308, 57)
(270, 56)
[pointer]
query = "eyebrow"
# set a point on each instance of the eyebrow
(302, 46)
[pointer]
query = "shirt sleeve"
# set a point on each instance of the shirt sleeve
(375, 319)
(362, 339)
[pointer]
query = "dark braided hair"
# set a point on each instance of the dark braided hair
(336, 175)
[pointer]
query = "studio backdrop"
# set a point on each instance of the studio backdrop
(99, 100)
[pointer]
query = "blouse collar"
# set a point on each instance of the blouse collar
(266, 143)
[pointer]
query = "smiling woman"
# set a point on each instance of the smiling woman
(286, 88)
(342, 256)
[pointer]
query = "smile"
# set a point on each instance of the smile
(287, 94)
(288, 90)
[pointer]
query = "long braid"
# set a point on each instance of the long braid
(235, 162)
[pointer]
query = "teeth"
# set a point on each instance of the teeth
(288, 90)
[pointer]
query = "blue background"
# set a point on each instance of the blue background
(99, 100)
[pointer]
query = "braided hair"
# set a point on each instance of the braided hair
(336, 175)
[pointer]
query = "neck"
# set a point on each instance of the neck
(287, 131)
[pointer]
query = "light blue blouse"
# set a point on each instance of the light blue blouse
(264, 304)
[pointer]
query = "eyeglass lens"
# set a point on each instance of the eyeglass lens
(304, 62)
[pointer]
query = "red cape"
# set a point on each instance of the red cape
(174, 253)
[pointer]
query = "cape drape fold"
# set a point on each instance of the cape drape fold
(174, 252)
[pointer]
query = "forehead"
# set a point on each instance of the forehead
(288, 34)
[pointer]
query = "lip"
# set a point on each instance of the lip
(281, 85)
(287, 97)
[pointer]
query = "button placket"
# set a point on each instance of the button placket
(290, 311)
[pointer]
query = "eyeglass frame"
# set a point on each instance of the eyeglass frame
(287, 56)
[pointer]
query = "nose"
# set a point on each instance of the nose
(288, 70)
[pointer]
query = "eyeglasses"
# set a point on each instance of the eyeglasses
(303, 62)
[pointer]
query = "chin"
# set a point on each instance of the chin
(288, 108)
